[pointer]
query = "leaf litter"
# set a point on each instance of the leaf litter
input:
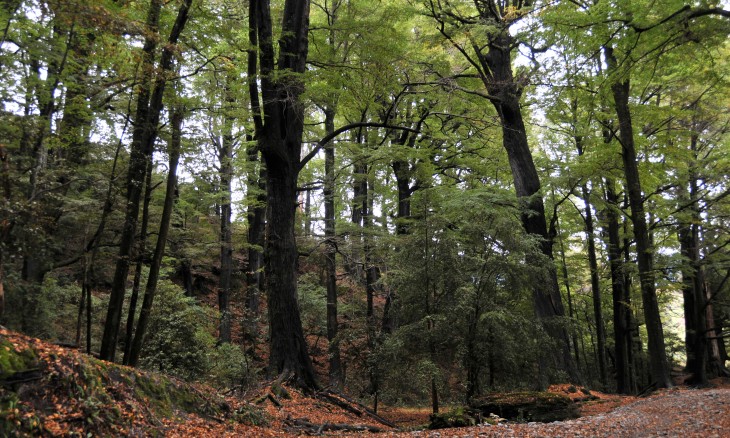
(69, 393)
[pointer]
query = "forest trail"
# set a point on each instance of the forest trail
(677, 412)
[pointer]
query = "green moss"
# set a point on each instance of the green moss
(166, 396)
(13, 361)
(458, 417)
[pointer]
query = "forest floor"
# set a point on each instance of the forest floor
(47, 390)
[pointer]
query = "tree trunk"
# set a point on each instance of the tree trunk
(335, 367)
(140, 256)
(693, 277)
(151, 287)
(6, 226)
(644, 252)
(621, 300)
(372, 272)
(635, 343)
(255, 183)
(225, 158)
(289, 356)
(571, 312)
(280, 141)
(256, 212)
(139, 156)
(359, 193)
(401, 170)
(149, 107)
(694, 297)
(595, 287)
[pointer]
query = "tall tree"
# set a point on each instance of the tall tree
(489, 54)
(149, 107)
(644, 252)
(176, 121)
(279, 138)
(225, 145)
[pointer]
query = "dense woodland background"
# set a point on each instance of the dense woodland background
(416, 201)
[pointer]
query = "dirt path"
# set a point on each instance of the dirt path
(675, 413)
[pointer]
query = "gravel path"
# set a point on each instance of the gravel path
(674, 413)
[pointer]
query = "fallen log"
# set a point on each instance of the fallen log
(364, 408)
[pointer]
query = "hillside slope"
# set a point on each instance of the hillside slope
(50, 390)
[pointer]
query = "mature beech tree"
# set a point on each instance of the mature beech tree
(489, 53)
(279, 135)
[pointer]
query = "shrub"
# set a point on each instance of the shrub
(179, 334)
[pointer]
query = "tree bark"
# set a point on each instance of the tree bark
(256, 212)
(255, 182)
(693, 278)
(595, 287)
(139, 156)
(502, 85)
(140, 256)
(571, 312)
(358, 205)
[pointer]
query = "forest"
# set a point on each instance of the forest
(412, 202)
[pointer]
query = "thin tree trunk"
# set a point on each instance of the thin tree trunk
(151, 287)
(149, 107)
(139, 156)
(595, 288)
(693, 276)
(255, 183)
(634, 335)
(621, 301)
(359, 191)
(82, 301)
(6, 226)
(139, 265)
(335, 366)
(571, 311)
(225, 158)
(694, 308)
(256, 199)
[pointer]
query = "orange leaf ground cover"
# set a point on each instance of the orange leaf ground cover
(68, 401)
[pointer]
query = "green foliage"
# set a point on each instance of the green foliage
(179, 335)
(230, 367)
(47, 311)
(312, 304)
(180, 343)
(463, 301)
